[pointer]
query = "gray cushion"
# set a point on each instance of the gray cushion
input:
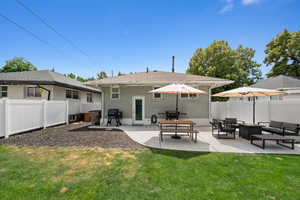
(273, 130)
(290, 126)
(276, 124)
(287, 132)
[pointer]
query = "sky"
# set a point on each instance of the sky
(131, 35)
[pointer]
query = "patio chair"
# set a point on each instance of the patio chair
(225, 131)
(233, 122)
(214, 125)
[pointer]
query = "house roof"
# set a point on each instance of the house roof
(161, 78)
(280, 82)
(43, 77)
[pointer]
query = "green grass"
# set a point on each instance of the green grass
(94, 173)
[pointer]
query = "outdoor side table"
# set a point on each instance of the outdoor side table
(246, 130)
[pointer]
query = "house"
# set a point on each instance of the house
(45, 84)
(130, 94)
(288, 84)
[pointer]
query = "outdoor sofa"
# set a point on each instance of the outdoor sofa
(281, 128)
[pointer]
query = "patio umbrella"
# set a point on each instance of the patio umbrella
(177, 89)
(249, 92)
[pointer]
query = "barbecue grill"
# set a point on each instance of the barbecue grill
(170, 115)
(114, 114)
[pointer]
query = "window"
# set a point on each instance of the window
(72, 94)
(115, 93)
(157, 95)
(188, 96)
(89, 97)
(3, 91)
(33, 92)
(184, 96)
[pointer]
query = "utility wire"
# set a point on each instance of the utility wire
(28, 31)
(53, 29)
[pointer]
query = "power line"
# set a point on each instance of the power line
(28, 31)
(53, 29)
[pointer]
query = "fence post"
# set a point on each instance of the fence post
(6, 116)
(67, 112)
(44, 102)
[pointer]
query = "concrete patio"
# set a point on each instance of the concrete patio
(148, 136)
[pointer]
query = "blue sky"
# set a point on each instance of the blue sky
(130, 35)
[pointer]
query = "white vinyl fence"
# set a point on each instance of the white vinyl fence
(76, 107)
(285, 110)
(17, 116)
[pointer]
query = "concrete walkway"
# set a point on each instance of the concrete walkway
(148, 136)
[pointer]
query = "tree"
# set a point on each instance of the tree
(221, 61)
(91, 79)
(120, 74)
(73, 76)
(81, 79)
(101, 75)
(283, 54)
(17, 64)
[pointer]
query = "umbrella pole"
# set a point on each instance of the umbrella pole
(176, 136)
(253, 110)
(177, 106)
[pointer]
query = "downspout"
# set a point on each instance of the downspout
(209, 103)
(102, 106)
(49, 92)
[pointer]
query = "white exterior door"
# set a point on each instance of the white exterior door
(138, 109)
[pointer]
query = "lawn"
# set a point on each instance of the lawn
(96, 173)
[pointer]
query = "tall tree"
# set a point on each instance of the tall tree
(283, 54)
(17, 64)
(220, 60)
(73, 76)
(101, 75)
(120, 74)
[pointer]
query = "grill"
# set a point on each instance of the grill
(170, 115)
(114, 114)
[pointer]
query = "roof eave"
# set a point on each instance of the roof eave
(22, 82)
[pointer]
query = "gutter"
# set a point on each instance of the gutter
(49, 92)
(16, 82)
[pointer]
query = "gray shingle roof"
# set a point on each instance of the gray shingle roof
(43, 77)
(152, 78)
(279, 82)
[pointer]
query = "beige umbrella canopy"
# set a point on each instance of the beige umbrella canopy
(177, 89)
(249, 92)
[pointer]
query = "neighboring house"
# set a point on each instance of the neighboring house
(288, 84)
(45, 84)
(130, 94)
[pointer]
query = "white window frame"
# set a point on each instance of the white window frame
(1, 92)
(35, 93)
(189, 97)
(111, 92)
(87, 97)
(153, 95)
(72, 96)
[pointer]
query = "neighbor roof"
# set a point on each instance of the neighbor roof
(43, 77)
(152, 78)
(279, 82)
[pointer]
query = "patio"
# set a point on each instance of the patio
(148, 136)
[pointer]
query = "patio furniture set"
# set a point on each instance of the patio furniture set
(282, 132)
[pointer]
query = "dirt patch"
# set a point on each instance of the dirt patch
(74, 135)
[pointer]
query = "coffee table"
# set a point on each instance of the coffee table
(278, 138)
